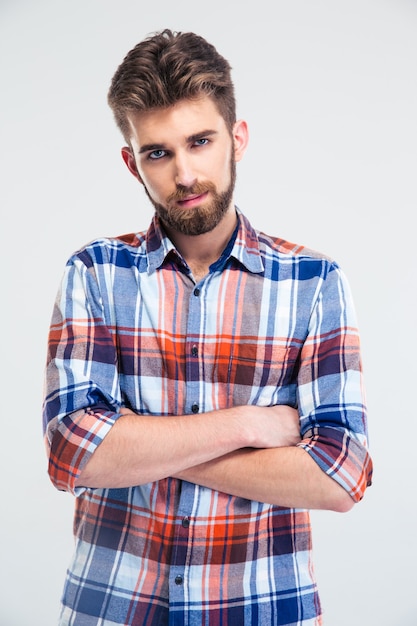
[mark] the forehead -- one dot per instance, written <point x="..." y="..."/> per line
<point x="184" y="119"/>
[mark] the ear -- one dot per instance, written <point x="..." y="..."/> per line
<point x="240" y="138"/>
<point x="129" y="159"/>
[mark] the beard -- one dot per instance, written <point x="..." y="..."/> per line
<point x="201" y="219"/>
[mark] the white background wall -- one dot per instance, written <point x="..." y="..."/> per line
<point x="329" y="90"/>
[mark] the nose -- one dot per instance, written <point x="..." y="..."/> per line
<point x="185" y="175"/>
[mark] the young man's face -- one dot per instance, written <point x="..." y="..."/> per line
<point x="185" y="158"/>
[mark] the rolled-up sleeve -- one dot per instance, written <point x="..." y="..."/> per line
<point x="331" y="395"/>
<point x="82" y="396"/>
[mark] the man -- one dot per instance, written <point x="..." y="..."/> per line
<point x="203" y="385"/>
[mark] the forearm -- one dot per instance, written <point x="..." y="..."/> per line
<point x="285" y="476"/>
<point x="141" y="449"/>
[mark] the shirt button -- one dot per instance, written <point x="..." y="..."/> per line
<point x="194" y="351"/>
<point x="178" y="580"/>
<point x="195" y="408"/>
<point x="196" y="291"/>
<point x="185" y="522"/>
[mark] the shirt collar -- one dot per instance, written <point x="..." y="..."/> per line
<point x="245" y="248"/>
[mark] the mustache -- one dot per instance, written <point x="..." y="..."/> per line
<point x="182" y="192"/>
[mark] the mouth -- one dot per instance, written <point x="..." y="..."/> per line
<point x="192" y="200"/>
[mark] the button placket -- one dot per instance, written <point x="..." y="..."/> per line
<point x="182" y="552"/>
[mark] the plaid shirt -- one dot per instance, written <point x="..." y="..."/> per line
<point x="272" y="323"/>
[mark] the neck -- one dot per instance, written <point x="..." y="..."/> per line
<point x="200" y="251"/>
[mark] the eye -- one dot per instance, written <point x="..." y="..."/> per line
<point x="201" y="142"/>
<point x="156" y="154"/>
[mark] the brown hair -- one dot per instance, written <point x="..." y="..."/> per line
<point x="165" y="68"/>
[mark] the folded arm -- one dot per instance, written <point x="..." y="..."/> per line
<point x="139" y="449"/>
<point x="209" y="450"/>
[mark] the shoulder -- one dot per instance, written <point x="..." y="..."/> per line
<point x="283" y="247"/>
<point x="282" y="259"/>
<point x="298" y="257"/>
<point x="119" y="250"/>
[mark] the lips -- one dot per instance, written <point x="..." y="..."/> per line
<point x="192" y="199"/>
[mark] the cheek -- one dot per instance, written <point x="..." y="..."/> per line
<point x="225" y="171"/>
<point x="157" y="187"/>
<point x="219" y="170"/>
<point x="150" y="182"/>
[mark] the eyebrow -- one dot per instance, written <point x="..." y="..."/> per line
<point x="150" y="147"/>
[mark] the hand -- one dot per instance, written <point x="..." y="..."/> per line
<point x="273" y="426"/>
